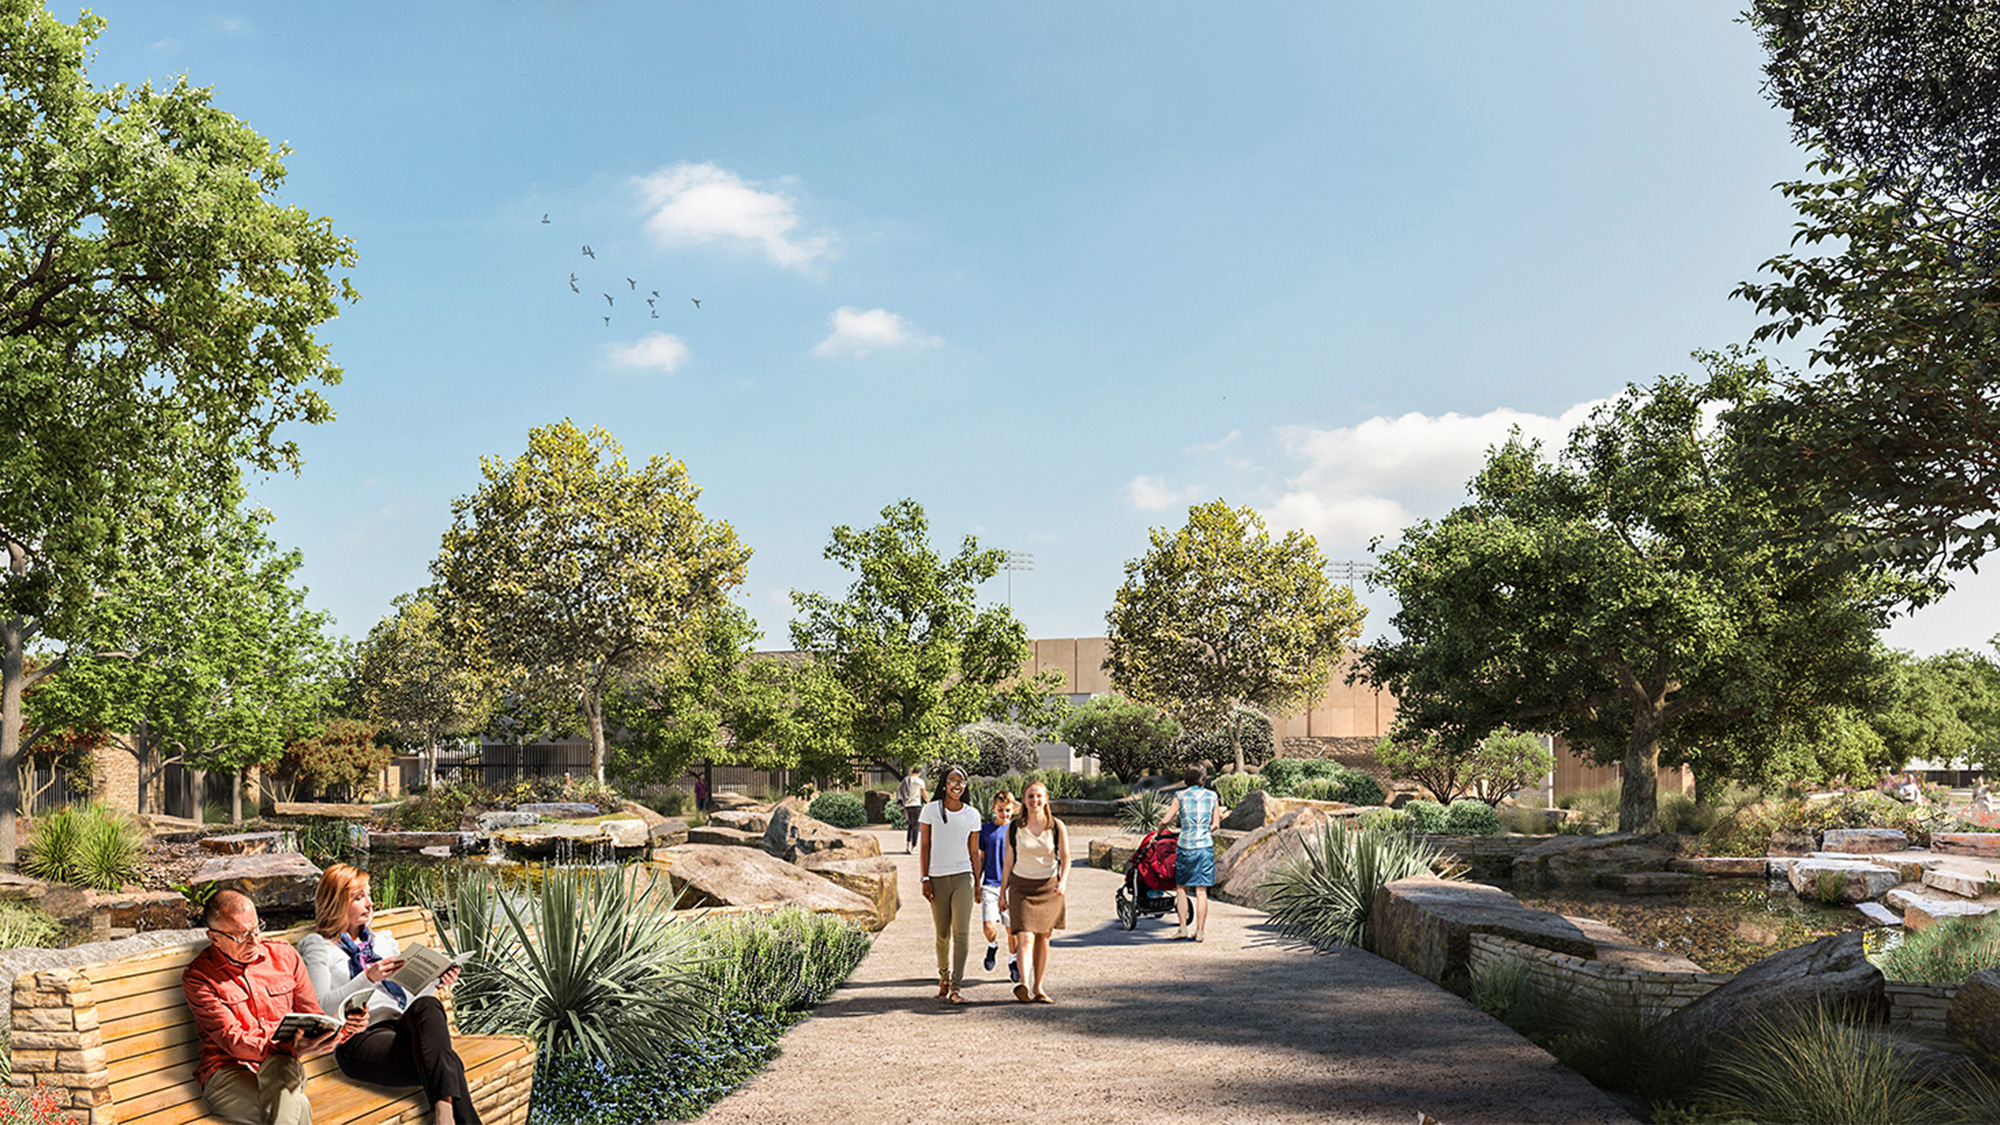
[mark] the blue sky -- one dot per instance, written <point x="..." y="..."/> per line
<point x="1054" y="270"/>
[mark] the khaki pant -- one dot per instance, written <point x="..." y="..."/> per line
<point x="952" y="897"/>
<point x="275" y="1095"/>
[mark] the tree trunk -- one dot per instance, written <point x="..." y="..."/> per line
<point x="13" y="643"/>
<point x="1236" y="739"/>
<point x="1639" y="797"/>
<point x="593" y="717"/>
<point x="236" y="796"/>
<point x="142" y="752"/>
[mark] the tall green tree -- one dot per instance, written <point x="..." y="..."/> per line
<point x="909" y="655"/>
<point x="1126" y="737"/>
<point x="1217" y="615"/>
<point x="1939" y="708"/>
<point x="1617" y="596"/>
<point x="157" y="316"/>
<point x="576" y="569"/>
<point x="216" y="672"/>
<point x="417" y="686"/>
<point x="1894" y="425"/>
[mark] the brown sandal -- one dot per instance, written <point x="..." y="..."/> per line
<point x="1043" y="998"/>
<point x="1021" y="993"/>
<point x="954" y="998"/>
<point x="944" y="987"/>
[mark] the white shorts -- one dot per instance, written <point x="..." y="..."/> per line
<point x="989" y="905"/>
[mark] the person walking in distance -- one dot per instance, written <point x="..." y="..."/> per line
<point x="1037" y="867"/>
<point x="1200" y="813"/>
<point x="948" y="859"/>
<point x="910" y="798"/>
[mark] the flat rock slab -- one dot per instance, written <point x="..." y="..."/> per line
<point x="669" y="831"/>
<point x="742" y="820"/>
<point x="1956" y="883"/>
<point x="1725" y="866"/>
<point x="138" y="910"/>
<point x="729" y="799"/>
<point x="1650" y="882"/>
<point x="1878" y="915"/>
<point x="1792" y="841"/>
<point x="20" y="888"/>
<point x="284" y="879"/>
<point x="1614" y="947"/>
<point x="1112" y="853"/>
<point x="1920" y="914"/>
<point x="491" y="822"/>
<point x="323" y="810"/>
<point x="553" y="838"/>
<point x="1841" y="880"/>
<point x="568" y="810"/>
<point x="732" y="837"/>
<point x="1984" y="844"/>
<point x="242" y="843"/>
<point x="1864" y="840"/>
<point x="415" y="841"/>
<point x="730" y="876"/>
<point x="1426" y="925"/>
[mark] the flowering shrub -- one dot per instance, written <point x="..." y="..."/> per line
<point x="37" y="1107"/>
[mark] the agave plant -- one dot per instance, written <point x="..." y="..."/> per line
<point x="1324" y="892"/>
<point x="1141" y="814"/>
<point x="585" y="966"/>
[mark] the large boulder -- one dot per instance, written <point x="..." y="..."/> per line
<point x="280" y="879"/>
<point x="876" y="801"/>
<point x="754" y="819"/>
<point x="1425" y="924"/>
<point x="1793" y="841"/>
<point x="1578" y="861"/>
<point x="713" y="875"/>
<point x="792" y="834"/>
<point x="1258" y="808"/>
<point x="1112" y="853"/>
<point x="1864" y="841"/>
<point x="558" y="839"/>
<point x="243" y="843"/>
<point x="1832" y="972"/>
<point x="1974" y="1016"/>
<point x="725" y="799"/>
<point x="1920" y="913"/>
<point x="728" y="837"/>
<point x="669" y="831"/>
<point x="874" y="879"/>
<point x="1842" y="880"/>
<point x="1241" y="871"/>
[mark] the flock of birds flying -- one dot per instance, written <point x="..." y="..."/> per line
<point x="610" y="302"/>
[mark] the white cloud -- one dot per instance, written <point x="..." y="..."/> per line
<point x="658" y="352"/>
<point x="697" y="203"/>
<point x="1224" y="442"/>
<point x="1154" y="494"/>
<point x="1384" y="474"/>
<point x="857" y="333"/>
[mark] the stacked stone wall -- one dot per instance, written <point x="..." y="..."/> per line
<point x="57" y="1044"/>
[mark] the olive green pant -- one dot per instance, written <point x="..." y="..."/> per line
<point x="952" y="900"/>
<point x="275" y="1095"/>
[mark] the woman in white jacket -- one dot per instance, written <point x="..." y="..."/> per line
<point x="407" y="1041"/>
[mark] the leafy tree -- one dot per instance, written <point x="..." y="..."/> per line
<point x="1247" y="733"/>
<point x="908" y="656"/>
<point x="1495" y="767"/>
<point x="339" y="754"/>
<point x="157" y="310"/>
<point x="575" y="569"/>
<point x="1216" y="616"/>
<point x="1940" y="708"/>
<point x="414" y="684"/>
<point x="215" y="672"/>
<point x="1614" y="596"/>
<point x="1127" y="738"/>
<point x="999" y="749"/>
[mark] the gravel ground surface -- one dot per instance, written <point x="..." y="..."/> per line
<point x="1245" y="1027"/>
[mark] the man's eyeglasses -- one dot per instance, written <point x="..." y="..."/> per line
<point x="244" y="938"/>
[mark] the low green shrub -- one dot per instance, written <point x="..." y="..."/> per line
<point x="24" y="927"/>
<point x="1280" y="775"/>
<point x="1324" y="893"/>
<point x="94" y="847"/>
<point x="1104" y="787"/>
<point x="441" y="808"/>
<point x="1317" y="789"/>
<point x="1597" y="810"/>
<point x="789" y="960"/>
<point x="842" y="810"/>
<point x="1062" y="784"/>
<point x="1427" y="817"/>
<point x="1945" y="953"/>
<point x="1231" y="788"/>
<point x="1467" y="817"/>
<point x="1680" y="814"/>
<point x="894" y="818"/>
<point x="1386" y="820"/>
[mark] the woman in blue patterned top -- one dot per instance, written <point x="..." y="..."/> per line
<point x="1200" y="813"/>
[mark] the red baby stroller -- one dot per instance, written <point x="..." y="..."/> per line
<point x="1149" y="878"/>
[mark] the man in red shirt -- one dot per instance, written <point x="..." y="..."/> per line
<point x="238" y="989"/>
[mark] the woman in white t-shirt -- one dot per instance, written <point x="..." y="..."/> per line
<point x="947" y="857"/>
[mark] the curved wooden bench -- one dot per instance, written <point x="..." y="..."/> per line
<point x="117" y="1035"/>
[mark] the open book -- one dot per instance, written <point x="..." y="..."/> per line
<point x="311" y="1024"/>
<point x="421" y="966"/>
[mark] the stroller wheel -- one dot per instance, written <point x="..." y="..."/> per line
<point x="1128" y="910"/>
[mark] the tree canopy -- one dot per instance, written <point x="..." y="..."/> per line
<point x="1616" y="596"/>
<point x="909" y="655"/>
<point x="1218" y="615"/>
<point x="414" y="684"/>
<point x="157" y="316"/>
<point x="1126" y="737"/>
<point x="571" y="568"/>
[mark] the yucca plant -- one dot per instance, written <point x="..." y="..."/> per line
<point x="1141" y="814"/>
<point x="1323" y="893"/>
<point x="95" y="847"/>
<point x="586" y="966"/>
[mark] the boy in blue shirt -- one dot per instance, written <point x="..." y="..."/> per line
<point x="993" y="843"/>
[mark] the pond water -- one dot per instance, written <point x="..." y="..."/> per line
<point x="1723" y="925"/>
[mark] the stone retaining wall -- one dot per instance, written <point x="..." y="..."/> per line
<point x="1911" y="1004"/>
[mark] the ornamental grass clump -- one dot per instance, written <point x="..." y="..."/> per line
<point x="95" y="847"/>
<point x="24" y="927"/>
<point x="1323" y="892"/>
<point x="789" y="960"/>
<point x="1946" y="952"/>
<point x="1810" y="1066"/>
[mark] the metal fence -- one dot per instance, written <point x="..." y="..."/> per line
<point x="500" y="763"/>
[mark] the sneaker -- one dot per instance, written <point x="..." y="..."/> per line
<point x="1014" y="971"/>
<point x="992" y="955"/>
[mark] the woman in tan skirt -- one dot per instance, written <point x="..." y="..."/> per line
<point x="1037" y="869"/>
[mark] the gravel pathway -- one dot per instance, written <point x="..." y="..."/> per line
<point x="1247" y="1026"/>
